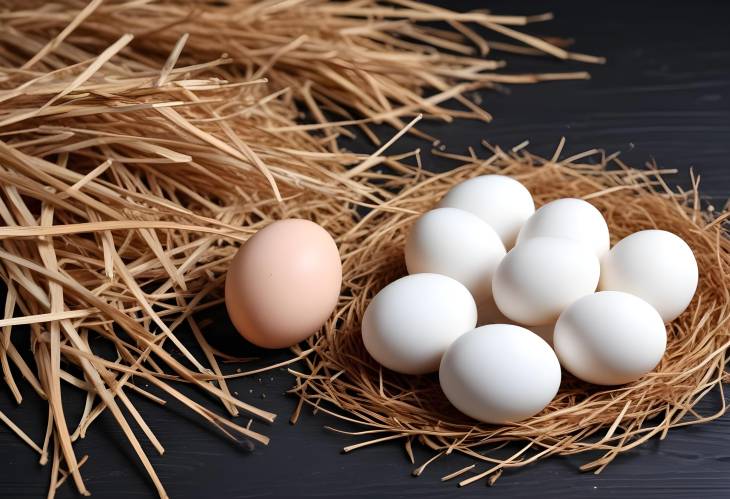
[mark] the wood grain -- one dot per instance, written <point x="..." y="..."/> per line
<point x="664" y="94"/>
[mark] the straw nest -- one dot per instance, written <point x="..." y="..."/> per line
<point x="343" y="380"/>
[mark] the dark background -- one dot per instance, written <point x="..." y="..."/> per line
<point x="664" y="94"/>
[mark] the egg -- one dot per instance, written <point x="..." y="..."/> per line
<point x="283" y="283"/>
<point x="569" y="218"/>
<point x="610" y="338"/>
<point x="457" y="244"/>
<point x="540" y="277"/>
<point x="654" y="265"/>
<point x="501" y="201"/>
<point x="499" y="373"/>
<point x="411" y="322"/>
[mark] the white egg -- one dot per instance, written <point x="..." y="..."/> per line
<point x="569" y="218"/>
<point x="501" y="201"/>
<point x="610" y="338"/>
<point x="540" y="277"/>
<point x="500" y="373"/>
<point x="411" y="322"/>
<point x="457" y="244"/>
<point x="654" y="265"/>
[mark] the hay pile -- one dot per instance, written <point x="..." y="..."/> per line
<point x="142" y="141"/>
<point x="343" y="380"/>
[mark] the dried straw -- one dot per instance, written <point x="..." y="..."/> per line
<point x="341" y="379"/>
<point x="141" y="141"/>
<point x="359" y="61"/>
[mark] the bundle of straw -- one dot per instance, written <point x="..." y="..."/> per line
<point x="342" y="379"/>
<point x="361" y="61"/>
<point x="141" y="141"/>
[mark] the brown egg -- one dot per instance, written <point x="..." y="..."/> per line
<point x="283" y="283"/>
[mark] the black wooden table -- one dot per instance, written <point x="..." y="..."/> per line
<point x="664" y="94"/>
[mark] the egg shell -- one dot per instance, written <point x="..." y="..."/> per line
<point x="501" y="201"/>
<point x="283" y="283"/>
<point x="411" y="322"/>
<point x="610" y="338"/>
<point x="457" y="244"/>
<point x="500" y="373"/>
<point x="540" y="277"/>
<point x="655" y="265"/>
<point x="569" y="218"/>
